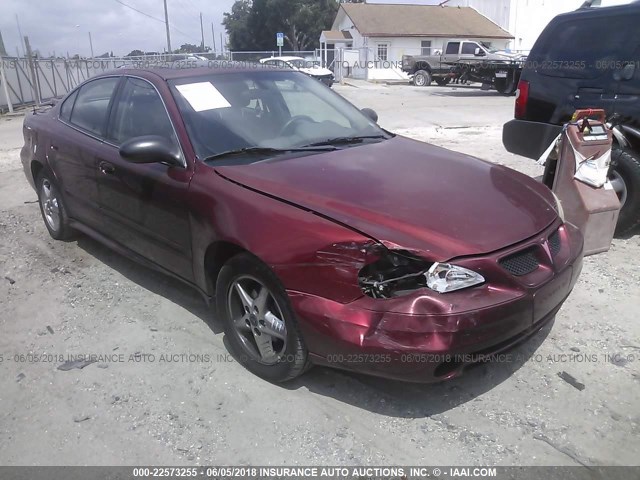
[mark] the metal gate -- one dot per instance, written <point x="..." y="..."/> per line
<point x="35" y="81"/>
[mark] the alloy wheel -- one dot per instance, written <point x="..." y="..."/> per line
<point x="50" y="206"/>
<point x="258" y="319"/>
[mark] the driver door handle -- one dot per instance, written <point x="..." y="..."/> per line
<point x="628" y="71"/>
<point x="106" y="168"/>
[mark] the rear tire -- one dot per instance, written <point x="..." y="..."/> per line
<point x="505" y="86"/>
<point x="259" y="322"/>
<point x="422" y="78"/>
<point x="52" y="207"/>
<point x="625" y="177"/>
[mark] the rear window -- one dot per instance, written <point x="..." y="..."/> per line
<point x="583" y="48"/>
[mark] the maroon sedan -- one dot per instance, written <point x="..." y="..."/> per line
<point x="319" y="237"/>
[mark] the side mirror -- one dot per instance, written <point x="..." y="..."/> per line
<point x="150" y="149"/>
<point x="370" y="113"/>
<point x="479" y="52"/>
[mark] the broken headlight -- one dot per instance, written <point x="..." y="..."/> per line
<point x="445" y="277"/>
<point x="398" y="273"/>
<point x="393" y="274"/>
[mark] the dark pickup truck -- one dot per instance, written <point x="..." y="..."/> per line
<point x="470" y="60"/>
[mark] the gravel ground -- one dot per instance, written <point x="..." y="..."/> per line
<point x="167" y="392"/>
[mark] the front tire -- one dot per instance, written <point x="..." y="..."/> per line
<point x="625" y="179"/>
<point x="422" y="78"/>
<point x="259" y="321"/>
<point x="52" y="207"/>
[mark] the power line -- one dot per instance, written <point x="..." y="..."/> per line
<point x="140" y="11"/>
<point x="186" y="35"/>
<point x="187" y="9"/>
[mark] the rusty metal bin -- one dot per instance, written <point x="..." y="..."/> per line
<point x="580" y="179"/>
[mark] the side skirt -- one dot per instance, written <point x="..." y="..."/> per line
<point x="124" y="251"/>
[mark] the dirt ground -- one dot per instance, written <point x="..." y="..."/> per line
<point x="167" y="392"/>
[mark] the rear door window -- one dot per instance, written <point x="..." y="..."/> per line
<point x="92" y="105"/>
<point x="453" y="48"/>
<point x="67" y="106"/>
<point x="583" y="48"/>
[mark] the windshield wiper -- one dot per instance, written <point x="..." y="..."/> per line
<point x="267" y="151"/>
<point x="345" y="140"/>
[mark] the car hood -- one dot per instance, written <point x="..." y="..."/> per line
<point x="409" y="195"/>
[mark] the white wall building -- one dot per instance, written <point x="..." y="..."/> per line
<point x="524" y="19"/>
<point x="384" y="33"/>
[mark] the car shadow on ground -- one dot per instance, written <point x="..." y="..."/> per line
<point x="378" y="395"/>
<point x="463" y="92"/>
<point x="631" y="233"/>
<point x="164" y="285"/>
<point x="410" y="400"/>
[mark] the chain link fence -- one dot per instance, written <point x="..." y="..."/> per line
<point x="256" y="56"/>
<point x="32" y="81"/>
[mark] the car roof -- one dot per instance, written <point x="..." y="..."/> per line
<point x="201" y="69"/>
<point x="633" y="7"/>
<point x="284" y="59"/>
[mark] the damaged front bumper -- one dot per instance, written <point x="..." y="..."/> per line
<point x="425" y="336"/>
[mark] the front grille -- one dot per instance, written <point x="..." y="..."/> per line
<point x="554" y="243"/>
<point x="521" y="263"/>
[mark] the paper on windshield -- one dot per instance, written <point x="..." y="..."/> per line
<point x="203" y="96"/>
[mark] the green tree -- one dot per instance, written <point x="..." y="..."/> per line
<point x="188" y="48"/>
<point x="237" y="25"/>
<point x="252" y="25"/>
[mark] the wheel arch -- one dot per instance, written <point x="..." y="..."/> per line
<point x="422" y="66"/>
<point x="216" y="255"/>
<point x="36" y="167"/>
<point x="631" y="136"/>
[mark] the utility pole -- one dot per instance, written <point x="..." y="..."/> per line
<point x="166" y="21"/>
<point x="91" y="44"/>
<point x="20" y="33"/>
<point x="221" y="44"/>
<point x="3" y="77"/>
<point x="34" y="78"/>
<point x="213" y="37"/>
<point x="4" y="52"/>
<point x="201" y="34"/>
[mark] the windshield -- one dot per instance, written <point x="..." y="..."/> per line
<point x="266" y="109"/>
<point x="489" y="48"/>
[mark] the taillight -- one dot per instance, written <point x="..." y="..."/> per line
<point x="522" y="98"/>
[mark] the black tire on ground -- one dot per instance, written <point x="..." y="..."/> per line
<point x="293" y="356"/>
<point x="52" y="207"/>
<point x="422" y="78"/>
<point x="625" y="166"/>
<point x="443" y="81"/>
<point x="505" y="86"/>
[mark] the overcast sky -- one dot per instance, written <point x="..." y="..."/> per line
<point x="62" y="26"/>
